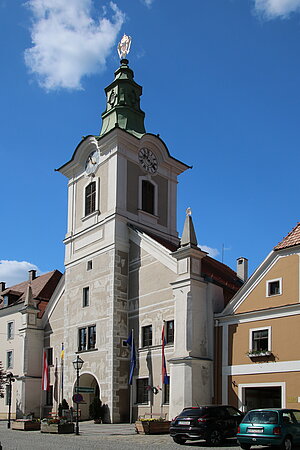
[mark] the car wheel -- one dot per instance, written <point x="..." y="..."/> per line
<point x="287" y="444"/>
<point x="245" y="446"/>
<point x="214" y="438"/>
<point x="179" y="440"/>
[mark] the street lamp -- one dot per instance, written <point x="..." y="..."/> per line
<point x="10" y="379"/>
<point x="77" y="363"/>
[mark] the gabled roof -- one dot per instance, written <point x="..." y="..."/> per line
<point x="212" y="270"/>
<point x="42" y="287"/>
<point x="293" y="238"/>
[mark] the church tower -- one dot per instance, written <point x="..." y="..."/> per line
<point x="124" y="179"/>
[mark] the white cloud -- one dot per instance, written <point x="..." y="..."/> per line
<point x="68" y="43"/>
<point x="213" y="252"/>
<point x="148" y="2"/>
<point x="14" y="272"/>
<point x="277" y="8"/>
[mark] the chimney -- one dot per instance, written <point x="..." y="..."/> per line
<point x="32" y="275"/>
<point x="242" y="268"/>
<point x="2" y="286"/>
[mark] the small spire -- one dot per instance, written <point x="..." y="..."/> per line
<point x="188" y="235"/>
<point x="28" y="296"/>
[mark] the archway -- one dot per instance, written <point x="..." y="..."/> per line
<point x="89" y="389"/>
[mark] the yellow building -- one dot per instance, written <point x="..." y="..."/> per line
<point x="257" y="334"/>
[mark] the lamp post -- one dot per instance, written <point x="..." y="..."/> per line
<point x="10" y="379"/>
<point x="77" y="363"/>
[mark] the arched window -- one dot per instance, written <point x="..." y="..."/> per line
<point x="148" y="194"/>
<point x="90" y="198"/>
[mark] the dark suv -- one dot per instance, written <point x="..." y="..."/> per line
<point x="212" y="423"/>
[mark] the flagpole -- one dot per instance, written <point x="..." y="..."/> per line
<point x="131" y="391"/>
<point x="62" y="355"/>
<point x="162" y="368"/>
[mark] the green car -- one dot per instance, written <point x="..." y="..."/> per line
<point x="271" y="426"/>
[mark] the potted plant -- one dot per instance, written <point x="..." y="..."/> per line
<point x="96" y="410"/>
<point x="152" y="426"/>
<point x="57" y="426"/>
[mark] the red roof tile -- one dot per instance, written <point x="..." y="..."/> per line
<point x="42" y="287"/>
<point x="293" y="238"/>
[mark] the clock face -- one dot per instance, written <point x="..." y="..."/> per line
<point x="112" y="97"/>
<point x="148" y="160"/>
<point x="92" y="162"/>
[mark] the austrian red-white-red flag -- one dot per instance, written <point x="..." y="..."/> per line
<point x="45" y="374"/>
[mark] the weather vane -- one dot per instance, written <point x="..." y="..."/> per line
<point x="188" y="211"/>
<point x="124" y="46"/>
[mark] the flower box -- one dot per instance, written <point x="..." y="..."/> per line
<point x="25" y="425"/>
<point x="58" y="428"/>
<point x="256" y="354"/>
<point x="152" y="426"/>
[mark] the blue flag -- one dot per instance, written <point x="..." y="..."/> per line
<point x="130" y="342"/>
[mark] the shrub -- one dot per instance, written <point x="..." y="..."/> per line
<point x="96" y="409"/>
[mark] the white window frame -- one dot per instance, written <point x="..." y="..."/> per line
<point x="268" y="282"/>
<point x="269" y="328"/>
<point x="242" y="388"/>
<point x="97" y="201"/>
<point x="140" y="201"/>
<point x="12" y="359"/>
<point x="9" y="338"/>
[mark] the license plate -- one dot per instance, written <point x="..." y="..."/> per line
<point x="183" y="422"/>
<point x="255" y="430"/>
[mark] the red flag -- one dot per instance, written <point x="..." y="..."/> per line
<point x="45" y="374"/>
<point x="164" y="375"/>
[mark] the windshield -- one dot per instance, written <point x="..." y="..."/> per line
<point x="199" y="412"/>
<point x="261" y="417"/>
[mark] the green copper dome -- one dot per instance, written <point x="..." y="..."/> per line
<point x="123" y="103"/>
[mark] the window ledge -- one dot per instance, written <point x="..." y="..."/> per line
<point x="255" y="354"/>
<point x="87" y="351"/>
<point x="147" y="217"/>
<point x="93" y="214"/>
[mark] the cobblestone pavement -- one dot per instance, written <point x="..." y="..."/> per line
<point x="110" y="437"/>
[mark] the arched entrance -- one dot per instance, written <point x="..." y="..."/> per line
<point x="89" y="389"/>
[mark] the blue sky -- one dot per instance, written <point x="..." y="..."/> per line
<point x="220" y="84"/>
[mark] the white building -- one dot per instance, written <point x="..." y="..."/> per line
<point x="125" y="268"/>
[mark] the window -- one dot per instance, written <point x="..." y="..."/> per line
<point x="90" y="198"/>
<point x="49" y="396"/>
<point x="274" y="287"/>
<point x="147" y="336"/>
<point x="89" y="265"/>
<point x="92" y="337"/>
<point x="166" y="389"/>
<point x="50" y="356"/>
<point x="142" y="390"/>
<point x="86" y="297"/>
<point x="148" y="191"/>
<point x="9" y="359"/>
<point x="170" y="332"/>
<point x="10" y="330"/>
<point x="87" y="338"/>
<point x="260" y="340"/>
<point x="5" y="300"/>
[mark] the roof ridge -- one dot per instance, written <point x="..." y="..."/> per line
<point x="291" y="239"/>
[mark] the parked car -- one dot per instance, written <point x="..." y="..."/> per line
<point x="272" y="426"/>
<point x="212" y="423"/>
